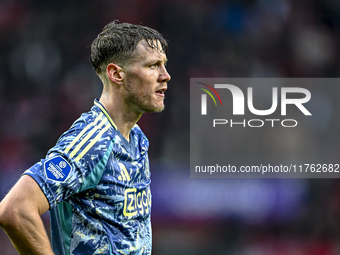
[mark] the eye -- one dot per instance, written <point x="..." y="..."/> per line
<point x="154" y="65"/>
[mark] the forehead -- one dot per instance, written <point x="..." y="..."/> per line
<point x="144" y="51"/>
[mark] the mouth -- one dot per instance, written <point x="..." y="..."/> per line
<point x="160" y="92"/>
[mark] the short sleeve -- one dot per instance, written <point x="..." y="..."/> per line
<point x="57" y="176"/>
<point x="72" y="160"/>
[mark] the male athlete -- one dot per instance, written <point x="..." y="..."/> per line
<point x="96" y="179"/>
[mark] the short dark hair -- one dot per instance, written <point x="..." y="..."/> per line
<point x="117" y="43"/>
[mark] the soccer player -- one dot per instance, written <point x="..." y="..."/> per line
<point x="95" y="180"/>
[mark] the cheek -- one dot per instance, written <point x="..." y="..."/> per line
<point x="143" y="80"/>
<point x="147" y="81"/>
<point x="150" y="73"/>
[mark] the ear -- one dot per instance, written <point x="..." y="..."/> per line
<point x="114" y="73"/>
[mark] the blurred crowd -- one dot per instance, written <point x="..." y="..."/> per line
<point x="46" y="82"/>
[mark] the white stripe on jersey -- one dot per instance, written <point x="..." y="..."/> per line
<point x="82" y="132"/>
<point x="88" y="147"/>
<point x="87" y="137"/>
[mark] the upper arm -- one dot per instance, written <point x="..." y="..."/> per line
<point x="26" y="195"/>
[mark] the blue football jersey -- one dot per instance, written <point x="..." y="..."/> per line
<point x="98" y="187"/>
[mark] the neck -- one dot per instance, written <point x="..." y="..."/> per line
<point x="124" y="118"/>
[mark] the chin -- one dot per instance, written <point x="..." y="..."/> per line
<point x="154" y="109"/>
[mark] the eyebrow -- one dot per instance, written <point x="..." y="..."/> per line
<point x="158" y="60"/>
<point x="163" y="61"/>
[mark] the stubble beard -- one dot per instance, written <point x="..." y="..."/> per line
<point x="141" y="103"/>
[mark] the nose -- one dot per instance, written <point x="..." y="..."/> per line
<point x="164" y="75"/>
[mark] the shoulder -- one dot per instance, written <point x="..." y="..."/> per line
<point x="91" y="132"/>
